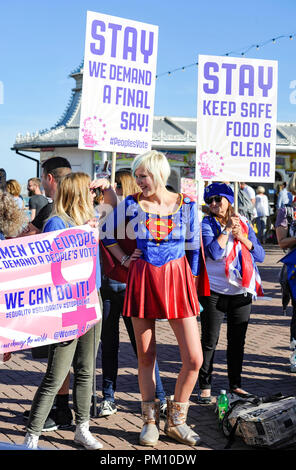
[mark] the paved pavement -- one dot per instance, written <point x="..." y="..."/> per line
<point x="265" y="371"/>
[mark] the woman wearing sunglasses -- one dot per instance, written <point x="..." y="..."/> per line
<point x="231" y="250"/>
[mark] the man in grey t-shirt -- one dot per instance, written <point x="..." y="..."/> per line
<point x="37" y="200"/>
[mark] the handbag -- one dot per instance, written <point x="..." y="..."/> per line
<point x="111" y="266"/>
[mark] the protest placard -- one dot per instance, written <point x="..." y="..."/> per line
<point x="236" y="119"/>
<point x="117" y="103"/>
<point x="189" y="187"/>
<point x="48" y="289"/>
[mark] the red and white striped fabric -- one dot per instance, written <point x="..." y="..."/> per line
<point x="240" y="268"/>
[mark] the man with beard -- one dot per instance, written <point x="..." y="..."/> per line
<point x="37" y="200"/>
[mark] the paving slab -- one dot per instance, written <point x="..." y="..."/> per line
<point x="266" y="370"/>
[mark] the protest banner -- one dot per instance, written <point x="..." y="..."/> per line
<point x="236" y="119"/>
<point x="189" y="187"/>
<point x="48" y="288"/>
<point x="117" y="103"/>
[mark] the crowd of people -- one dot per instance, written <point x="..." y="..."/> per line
<point x="156" y="261"/>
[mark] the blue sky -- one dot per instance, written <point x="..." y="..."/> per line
<point x="41" y="42"/>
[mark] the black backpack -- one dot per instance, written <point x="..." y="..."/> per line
<point x="266" y="422"/>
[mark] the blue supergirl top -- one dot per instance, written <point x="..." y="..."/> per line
<point x="160" y="238"/>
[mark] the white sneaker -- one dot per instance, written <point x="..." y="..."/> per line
<point x="85" y="438"/>
<point x="31" y="441"/>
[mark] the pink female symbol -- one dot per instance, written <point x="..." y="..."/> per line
<point x="82" y="314"/>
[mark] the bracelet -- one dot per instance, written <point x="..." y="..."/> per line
<point x="124" y="259"/>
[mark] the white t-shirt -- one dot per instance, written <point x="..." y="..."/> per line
<point x="252" y="195"/>
<point x="249" y="192"/>
<point x="262" y="206"/>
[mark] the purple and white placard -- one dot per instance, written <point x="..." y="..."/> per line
<point x="236" y="119"/>
<point x="117" y="104"/>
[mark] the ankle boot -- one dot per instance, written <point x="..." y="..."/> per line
<point x="85" y="438"/>
<point x="150" y="415"/>
<point x="176" y="427"/>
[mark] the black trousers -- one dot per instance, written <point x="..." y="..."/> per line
<point x="237" y="309"/>
<point x="293" y="321"/>
<point x="113" y="294"/>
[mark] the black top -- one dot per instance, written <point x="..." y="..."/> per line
<point x="43" y="214"/>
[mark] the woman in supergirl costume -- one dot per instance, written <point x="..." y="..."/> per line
<point x="162" y="282"/>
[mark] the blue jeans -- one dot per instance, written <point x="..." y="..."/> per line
<point x="261" y="223"/>
<point x="113" y="294"/>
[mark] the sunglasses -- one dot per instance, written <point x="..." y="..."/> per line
<point x="210" y="200"/>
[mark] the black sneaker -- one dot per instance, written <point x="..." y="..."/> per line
<point x="50" y="423"/>
<point x="63" y="417"/>
<point x="26" y="415"/>
<point x="107" y="408"/>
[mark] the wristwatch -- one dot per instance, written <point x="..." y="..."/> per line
<point x="225" y="232"/>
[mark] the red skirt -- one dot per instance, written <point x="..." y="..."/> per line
<point x="168" y="291"/>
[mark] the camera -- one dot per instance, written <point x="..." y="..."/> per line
<point x="99" y="195"/>
<point x="98" y="192"/>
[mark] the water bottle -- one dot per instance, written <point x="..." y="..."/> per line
<point x="293" y="361"/>
<point x="222" y="404"/>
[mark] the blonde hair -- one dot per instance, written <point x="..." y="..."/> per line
<point x="12" y="218"/>
<point x="156" y="164"/>
<point x="260" y="189"/>
<point x="13" y="187"/>
<point x="73" y="202"/>
<point x="127" y="181"/>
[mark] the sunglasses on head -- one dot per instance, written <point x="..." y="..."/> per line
<point x="214" y="198"/>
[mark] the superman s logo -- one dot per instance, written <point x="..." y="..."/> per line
<point x="160" y="228"/>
